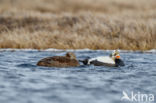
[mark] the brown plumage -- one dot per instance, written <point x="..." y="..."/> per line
<point x="69" y="60"/>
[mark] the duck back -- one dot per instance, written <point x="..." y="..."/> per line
<point x="58" y="61"/>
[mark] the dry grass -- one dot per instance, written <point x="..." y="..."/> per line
<point x="77" y="24"/>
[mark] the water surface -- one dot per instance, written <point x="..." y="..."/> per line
<point x="21" y="81"/>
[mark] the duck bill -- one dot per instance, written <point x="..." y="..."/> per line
<point x="117" y="57"/>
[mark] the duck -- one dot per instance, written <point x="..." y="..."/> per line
<point x="113" y="60"/>
<point x="69" y="60"/>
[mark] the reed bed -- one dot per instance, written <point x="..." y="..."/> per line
<point x="78" y="24"/>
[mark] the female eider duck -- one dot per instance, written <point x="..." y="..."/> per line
<point x="69" y="60"/>
<point x="113" y="60"/>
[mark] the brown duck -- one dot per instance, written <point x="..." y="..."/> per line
<point x="69" y="60"/>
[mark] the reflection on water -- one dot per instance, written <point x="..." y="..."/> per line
<point x="24" y="82"/>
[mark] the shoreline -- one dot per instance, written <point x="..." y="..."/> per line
<point x="72" y="24"/>
<point x="73" y="50"/>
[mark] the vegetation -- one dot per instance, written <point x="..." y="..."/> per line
<point x="78" y="24"/>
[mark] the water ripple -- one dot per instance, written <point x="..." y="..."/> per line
<point x="24" y="82"/>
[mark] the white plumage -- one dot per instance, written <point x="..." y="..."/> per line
<point x="103" y="59"/>
<point x="113" y="60"/>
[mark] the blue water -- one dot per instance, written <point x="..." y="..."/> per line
<point x="21" y="81"/>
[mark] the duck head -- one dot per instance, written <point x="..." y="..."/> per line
<point x="116" y="57"/>
<point x="70" y="55"/>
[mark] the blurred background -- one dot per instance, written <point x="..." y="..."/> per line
<point x="78" y="24"/>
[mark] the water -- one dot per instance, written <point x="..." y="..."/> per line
<point x="21" y="81"/>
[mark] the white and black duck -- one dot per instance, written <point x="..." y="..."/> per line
<point x="113" y="60"/>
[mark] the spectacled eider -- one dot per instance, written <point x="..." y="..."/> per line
<point x="69" y="60"/>
<point x="113" y="60"/>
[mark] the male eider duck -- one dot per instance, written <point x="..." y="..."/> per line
<point x="113" y="60"/>
<point x="69" y="60"/>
